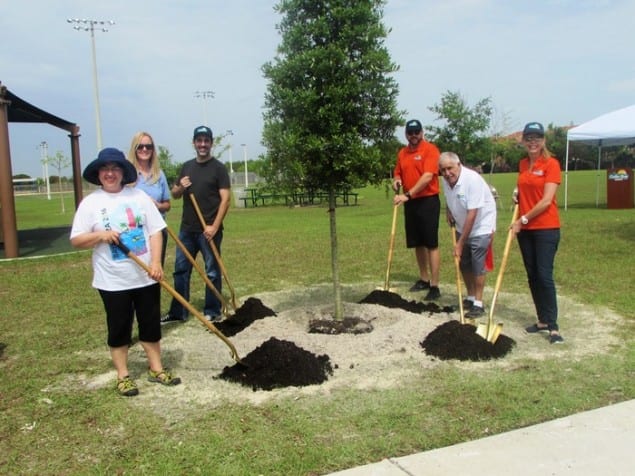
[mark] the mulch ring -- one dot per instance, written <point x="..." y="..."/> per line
<point x="453" y="340"/>
<point x="390" y="299"/>
<point x="279" y="363"/>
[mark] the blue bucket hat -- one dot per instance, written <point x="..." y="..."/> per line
<point x="110" y="155"/>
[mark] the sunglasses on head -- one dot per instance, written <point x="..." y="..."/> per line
<point x="145" y="146"/>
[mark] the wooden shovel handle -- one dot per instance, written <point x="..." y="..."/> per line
<point x="499" y="278"/>
<point x="212" y="245"/>
<point x="200" y="270"/>
<point x="458" y="277"/>
<point x="184" y="302"/>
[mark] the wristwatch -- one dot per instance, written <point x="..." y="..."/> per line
<point x="524" y="220"/>
<point x="407" y="194"/>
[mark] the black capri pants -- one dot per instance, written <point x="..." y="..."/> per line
<point x="121" y="307"/>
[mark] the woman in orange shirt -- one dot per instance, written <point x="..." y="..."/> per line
<point x="538" y="228"/>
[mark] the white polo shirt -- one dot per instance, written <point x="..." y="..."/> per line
<point x="471" y="192"/>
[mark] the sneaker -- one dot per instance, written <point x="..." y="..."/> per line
<point x="420" y="285"/>
<point x="163" y="377"/>
<point x="127" y="387"/>
<point x="170" y="318"/>
<point x="467" y="304"/>
<point x="556" y="339"/>
<point x="535" y="328"/>
<point x="433" y="294"/>
<point x="475" y="312"/>
<point x="213" y="318"/>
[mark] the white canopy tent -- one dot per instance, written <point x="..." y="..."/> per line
<point x="613" y="128"/>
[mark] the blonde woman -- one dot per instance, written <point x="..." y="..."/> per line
<point x="150" y="177"/>
<point x="538" y="228"/>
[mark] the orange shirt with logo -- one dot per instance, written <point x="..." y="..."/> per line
<point x="412" y="164"/>
<point x="531" y="186"/>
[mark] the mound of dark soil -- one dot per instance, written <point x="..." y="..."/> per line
<point x="348" y="325"/>
<point x="252" y="310"/>
<point x="279" y="363"/>
<point x="390" y="299"/>
<point x="453" y="340"/>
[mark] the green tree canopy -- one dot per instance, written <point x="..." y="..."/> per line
<point x="331" y="99"/>
<point x="464" y="128"/>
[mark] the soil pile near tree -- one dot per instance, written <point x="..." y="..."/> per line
<point x="279" y="363"/>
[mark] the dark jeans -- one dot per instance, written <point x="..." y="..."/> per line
<point x="195" y="242"/>
<point x="538" y="249"/>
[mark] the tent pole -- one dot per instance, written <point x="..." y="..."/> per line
<point x="597" y="177"/>
<point x="566" y="175"/>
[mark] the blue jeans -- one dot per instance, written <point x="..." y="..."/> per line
<point x="538" y="249"/>
<point x="195" y="242"/>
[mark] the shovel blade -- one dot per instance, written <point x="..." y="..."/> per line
<point x="494" y="332"/>
<point x="481" y="330"/>
<point x="491" y="334"/>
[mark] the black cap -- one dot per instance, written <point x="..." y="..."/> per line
<point x="413" y="125"/>
<point x="534" y="128"/>
<point x="203" y="131"/>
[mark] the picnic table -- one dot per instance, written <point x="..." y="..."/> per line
<point x="255" y="197"/>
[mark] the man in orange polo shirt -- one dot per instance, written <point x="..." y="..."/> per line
<point x="417" y="171"/>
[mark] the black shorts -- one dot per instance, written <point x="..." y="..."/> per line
<point x="422" y="221"/>
<point x="121" y="307"/>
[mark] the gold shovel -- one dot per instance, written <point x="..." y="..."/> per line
<point x="490" y="332"/>
<point x="391" y="246"/>
<point x="459" y="286"/>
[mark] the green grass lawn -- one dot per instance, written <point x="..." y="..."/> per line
<point x="52" y="322"/>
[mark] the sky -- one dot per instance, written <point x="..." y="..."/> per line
<point x="558" y="62"/>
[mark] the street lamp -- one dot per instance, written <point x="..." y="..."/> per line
<point x="244" y="146"/>
<point x="204" y="95"/>
<point x="90" y="25"/>
<point x="45" y="167"/>
<point x="231" y="167"/>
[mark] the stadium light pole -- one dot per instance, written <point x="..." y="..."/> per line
<point x="45" y="167"/>
<point x="231" y="166"/>
<point x="90" y="25"/>
<point x="204" y="95"/>
<point x="244" y="146"/>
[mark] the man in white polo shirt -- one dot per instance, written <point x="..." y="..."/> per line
<point x="472" y="208"/>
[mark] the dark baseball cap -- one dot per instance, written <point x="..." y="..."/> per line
<point x="534" y="128"/>
<point x="413" y="125"/>
<point x="203" y="131"/>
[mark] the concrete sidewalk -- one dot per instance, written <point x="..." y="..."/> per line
<point x="596" y="442"/>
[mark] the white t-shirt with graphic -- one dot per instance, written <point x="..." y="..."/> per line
<point x="133" y="214"/>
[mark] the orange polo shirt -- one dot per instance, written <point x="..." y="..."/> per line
<point x="531" y="185"/>
<point x="412" y="164"/>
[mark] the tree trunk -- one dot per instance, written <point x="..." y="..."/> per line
<point x="339" y="312"/>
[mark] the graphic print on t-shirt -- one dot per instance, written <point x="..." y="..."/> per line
<point x="128" y="220"/>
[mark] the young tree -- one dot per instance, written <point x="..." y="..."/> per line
<point x="59" y="162"/>
<point x="330" y="102"/>
<point x="169" y="167"/>
<point x="464" y="129"/>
